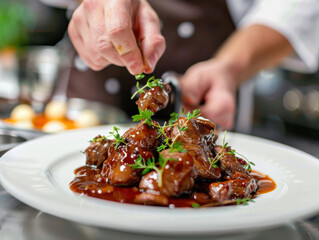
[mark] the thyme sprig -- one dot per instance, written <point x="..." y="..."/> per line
<point x="219" y="155"/>
<point x="145" y="115"/>
<point x="139" y="76"/>
<point x="244" y="201"/>
<point x="117" y="137"/>
<point x="150" y="164"/>
<point x="151" y="82"/>
<point x="98" y="139"/>
<point x="213" y="162"/>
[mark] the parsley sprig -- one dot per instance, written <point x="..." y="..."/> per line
<point x="151" y="82"/>
<point x="150" y="164"/>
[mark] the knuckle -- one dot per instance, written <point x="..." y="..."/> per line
<point x="76" y="17"/>
<point x="99" y="29"/>
<point x="118" y="32"/>
<point x="159" y="42"/>
<point x="103" y="45"/>
<point x="89" y="5"/>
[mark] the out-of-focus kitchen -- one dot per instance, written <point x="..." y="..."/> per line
<point x="40" y="78"/>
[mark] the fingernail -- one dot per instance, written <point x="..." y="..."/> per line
<point x="134" y="68"/>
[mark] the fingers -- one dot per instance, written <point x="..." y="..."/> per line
<point x="220" y="107"/>
<point x="119" y="29"/>
<point x="194" y="85"/>
<point x="78" y="29"/>
<point x="98" y="39"/>
<point x="152" y="43"/>
<point x="121" y="32"/>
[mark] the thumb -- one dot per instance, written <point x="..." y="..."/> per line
<point x="193" y="88"/>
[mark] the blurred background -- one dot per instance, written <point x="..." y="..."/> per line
<point x="37" y="62"/>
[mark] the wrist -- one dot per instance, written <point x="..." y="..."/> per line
<point x="235" y="67"/>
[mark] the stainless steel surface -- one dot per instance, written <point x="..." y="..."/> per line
<point x="18" y="221"/>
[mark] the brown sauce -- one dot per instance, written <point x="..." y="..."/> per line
<point x="88" y="181"/>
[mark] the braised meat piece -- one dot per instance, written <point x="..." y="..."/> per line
<point x="240" y="187"/>
<point x="97" y="151"/>
<point x="117" y="169"/>
<point x="177" y="176"/>
<point x="228" y="163"/>
<point x="154" y="99"/>
<point x="152" y="199"/>
<point x="194" y="140"/>
<point x="140" y="140"/>
<point x="142" y="135"/>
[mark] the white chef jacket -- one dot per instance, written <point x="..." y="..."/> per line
<point x="297" y="20"/>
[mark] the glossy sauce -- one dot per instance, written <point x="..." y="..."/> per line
<point x="88" y="181"/>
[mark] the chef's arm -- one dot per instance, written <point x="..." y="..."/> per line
<point x="252" y="49"/>
<point x="211" y="85"/>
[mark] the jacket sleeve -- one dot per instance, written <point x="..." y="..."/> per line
<point x="298" y="21"/>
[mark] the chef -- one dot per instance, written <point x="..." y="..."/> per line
<point x="216" y="45"/>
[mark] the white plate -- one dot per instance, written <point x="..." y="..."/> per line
<point x="38" y="173"/>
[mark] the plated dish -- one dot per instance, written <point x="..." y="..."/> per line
<point x="177" y="164"/>
<point x="39" y="175"/>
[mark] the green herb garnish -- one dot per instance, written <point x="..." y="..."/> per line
<point x="244" y="201"/>
<point x="98" y="139"/>
<point x="151" y="82"/>
<point x="214" y="162"/>
<point x="150" y="164"/>
<point x="177" y="147"/>
<point x="117" y="137"/>
<point x="139" y="76"/>
<point x="173" y="117"/>
<point x="233" y="152"/>
<point x="145" y="115"/>
<point x="195" y="205"/>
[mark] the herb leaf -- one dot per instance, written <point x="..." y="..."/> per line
<point x="145" y="115"/>
<point x="151" y="82"/>
<point x="177" y="147"/>
<point x="194" y="114"/>
<point x="244" y="201"/>
<point x="195" y="205"/>
<point x="98" y="139"/>
<point x="173" y="117"/>
<point x="214" y="162"/>
<point x="117" y="137"/>
<point x="150" y="164"/>
<point x="139" y="76"/>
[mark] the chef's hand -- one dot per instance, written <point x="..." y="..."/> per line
<point x="121" y="32"/>
<point x="210" y="87"/>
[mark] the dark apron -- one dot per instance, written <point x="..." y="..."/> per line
<point x="193" y="30"/>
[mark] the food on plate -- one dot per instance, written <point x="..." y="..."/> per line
<point x="87" y="118"/>
<point x="177" y="164"/>
<point x="22" y="112"/>
<point x="53" y="119"/>
<point x="53" y="126"/>
<point x="55" y="110"/>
